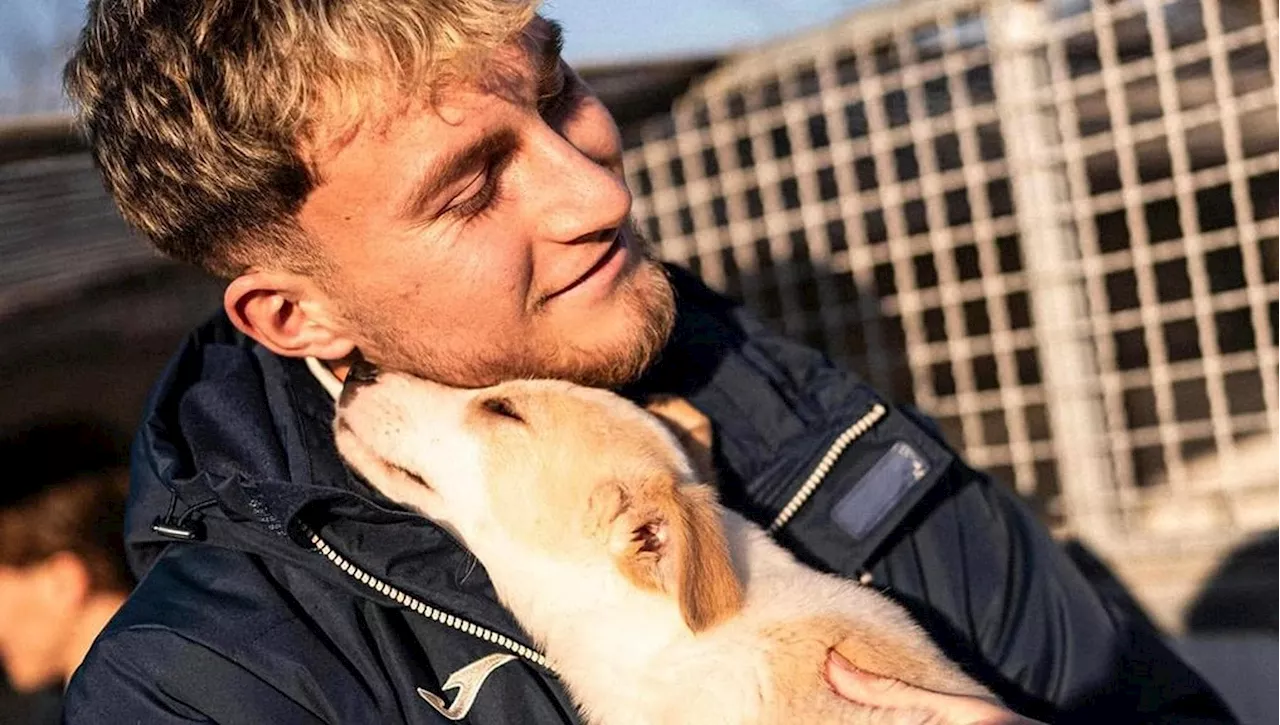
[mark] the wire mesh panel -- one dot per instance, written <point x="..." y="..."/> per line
<point x="1015" y="216"/>
<point x="855" y="190"/>
<point x="1167" y="115"/>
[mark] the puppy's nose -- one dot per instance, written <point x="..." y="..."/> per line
<point x="361" y="373"/>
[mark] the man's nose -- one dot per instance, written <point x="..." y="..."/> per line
<point x="582" y="197"/>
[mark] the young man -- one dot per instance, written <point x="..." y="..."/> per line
<point x="62" y="566"/>
<point x="427" y="184"/>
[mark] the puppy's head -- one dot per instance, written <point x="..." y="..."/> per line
<point x="577" y="474"/>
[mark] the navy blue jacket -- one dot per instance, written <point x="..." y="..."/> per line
<point x="276" y="587"/>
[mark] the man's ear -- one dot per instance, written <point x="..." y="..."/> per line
<point x="673" y="542"/>
<point x="287" y="313"/>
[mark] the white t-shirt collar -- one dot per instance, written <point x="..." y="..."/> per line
<point x="321" y="372"/>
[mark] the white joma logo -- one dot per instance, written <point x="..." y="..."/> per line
<point x="467" y="682"/>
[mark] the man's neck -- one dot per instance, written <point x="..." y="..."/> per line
<point x="339" y="368"/>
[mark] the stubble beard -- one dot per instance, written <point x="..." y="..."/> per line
<point x="649" y="305"/>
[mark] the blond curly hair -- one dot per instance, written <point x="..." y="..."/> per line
<point x="198" y="112"/>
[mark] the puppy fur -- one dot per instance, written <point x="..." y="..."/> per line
<point x="603" y="537"/>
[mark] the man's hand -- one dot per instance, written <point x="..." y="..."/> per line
<point x="854" y="684"/>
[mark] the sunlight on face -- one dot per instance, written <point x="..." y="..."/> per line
<point x="485" y="235"/>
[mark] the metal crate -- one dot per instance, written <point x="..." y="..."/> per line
<point x="1052" y="226"/>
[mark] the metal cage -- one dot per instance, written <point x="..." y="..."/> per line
<point x="1050" y="225"/>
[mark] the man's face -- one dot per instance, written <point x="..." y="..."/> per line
<point x="34" y="626"/>
<point x="483" y="234"/>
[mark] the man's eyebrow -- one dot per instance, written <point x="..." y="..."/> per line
<point x="452" y="166"/>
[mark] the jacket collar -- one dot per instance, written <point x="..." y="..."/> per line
<point x="242" y="437"/>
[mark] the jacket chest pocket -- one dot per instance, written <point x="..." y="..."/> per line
<point x="838" y="495"/>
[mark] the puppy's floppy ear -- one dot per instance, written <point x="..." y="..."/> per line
<point x="669" y="539"/>
<point x="709" y="587"/>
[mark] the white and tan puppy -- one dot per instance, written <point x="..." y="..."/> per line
<point x="652" y="603"/>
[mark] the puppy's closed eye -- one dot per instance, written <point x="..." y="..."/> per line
<point x="501" y="407"/>
<point x="409" y="475"/>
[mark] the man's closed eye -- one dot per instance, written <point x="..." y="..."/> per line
<point x="478" y="196"/>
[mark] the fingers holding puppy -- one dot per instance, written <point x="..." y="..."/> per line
<point x="857" y="685"/>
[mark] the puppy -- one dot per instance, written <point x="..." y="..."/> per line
<point x="652" y="603"/>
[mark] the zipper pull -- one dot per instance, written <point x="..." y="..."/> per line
<point x="172" y="531"/>
<point x="185" y="528"/>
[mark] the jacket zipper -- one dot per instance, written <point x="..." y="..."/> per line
<point x="411" y="602"/>
<point x="826" y="463"/>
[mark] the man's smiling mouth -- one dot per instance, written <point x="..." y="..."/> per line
<point x="618" y="246"/>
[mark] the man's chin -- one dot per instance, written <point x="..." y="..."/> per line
<point x="615" y="349"/>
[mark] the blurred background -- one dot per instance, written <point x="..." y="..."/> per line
<point x="1051" y="225"/>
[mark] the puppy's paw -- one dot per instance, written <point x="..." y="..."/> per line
<point x="691" y="428"/>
